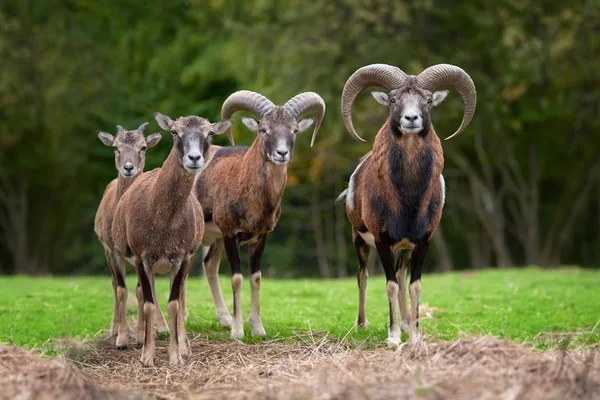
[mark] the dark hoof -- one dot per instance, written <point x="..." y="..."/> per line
<point x="123" y="347"/>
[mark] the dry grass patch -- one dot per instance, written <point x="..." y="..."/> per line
<point x="25" y="375"/>
<point x="479" y="367"/>
<point x="317" y="367"/>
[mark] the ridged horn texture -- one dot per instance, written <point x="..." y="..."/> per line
<point x="143" y="127"/>
<point x="119" y="128"/>
<point x="446" y="75"/>
<point x="386" y="76"/>
<point x="245" y="100"/>
<point x="305" y="102"/>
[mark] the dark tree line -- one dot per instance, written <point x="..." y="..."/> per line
<point x="523" y="180"/>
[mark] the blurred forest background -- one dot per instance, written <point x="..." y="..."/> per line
<point x="523" y="180"/>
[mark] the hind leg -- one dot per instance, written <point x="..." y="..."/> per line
<point x="161" y="322"/>
<point x="401" y="271"/>
<point x="255" y="255"/>
<point x="121" y="291"/>
<point x="362" y="251"/>
<point x="114" y="325"/>
<point x="211" y="270"/>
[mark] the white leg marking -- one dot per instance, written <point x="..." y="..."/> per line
<point x="254" y="320"/>
<point x="237" y="325"/>
<point x="394" y="330"/>
<point x="415" y="294"/>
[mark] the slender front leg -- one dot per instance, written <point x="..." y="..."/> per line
<point x="146" y="278"/>
<point x="403" y="262"/>
<point x="121" y="291"/>
<point x="362" y="251"/>
<point x="211" y="270"/>
<point x="233" y="254"/>
<point x="255" y="252"/>
<point x="418" y="257"/>
<point x="178" y="343"/>
<point x="387" y="259"/>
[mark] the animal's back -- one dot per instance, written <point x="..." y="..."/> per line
<point x="218" y="177"/>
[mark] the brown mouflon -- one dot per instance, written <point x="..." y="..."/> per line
<point x="395" y="196"/>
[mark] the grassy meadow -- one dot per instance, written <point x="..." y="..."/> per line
<point x="543" y="308"/>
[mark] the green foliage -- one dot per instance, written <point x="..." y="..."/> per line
<point x="529" y="305"/>
<point x="523" y="179"/>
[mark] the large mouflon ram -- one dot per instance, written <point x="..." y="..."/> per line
<point x="241" y="189"/>
<point x="395" y="196"/>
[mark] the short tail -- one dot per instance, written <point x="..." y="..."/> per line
<point x="342" y="196"/>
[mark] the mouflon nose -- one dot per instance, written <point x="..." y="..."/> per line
<point x="195" y="157"/>
<point x="282" y="153"/>
<point x="411" y="117"/>
<point x="128" y="166"/>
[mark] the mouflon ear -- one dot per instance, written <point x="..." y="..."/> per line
<point x="163" y="121"/>
<point x="381" y="98"/>
<point x="152" y="140"/>
<point x="106" y="138"/>
<point x="251" y="124"/>
<point x="221" y="126"/>
<point x="304" y="124"/>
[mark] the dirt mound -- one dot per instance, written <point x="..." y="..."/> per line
<point x="25" y="375"/>
<point x="480" y="367"/>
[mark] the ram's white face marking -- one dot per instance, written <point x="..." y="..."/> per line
<point x="282" y="152"/>
<point x="191" y="138"/>
<point x="410" y="107"/>
<point x="277" y="132"/>
<point x="193" y="160"/>
<point x="411" y="120"/>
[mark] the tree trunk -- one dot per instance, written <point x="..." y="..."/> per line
<point x="532" y="245"/>
<point x="13" y="224"/>
<point x="340" y="217"/>
<point x="441" y="246"/>
<point x="319" y="237"/>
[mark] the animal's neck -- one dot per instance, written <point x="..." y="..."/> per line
<point x="266" y="179"/>
<point x="173" y="184"/>
<point x="123" y="184"/>
<point x="411" y="158"/>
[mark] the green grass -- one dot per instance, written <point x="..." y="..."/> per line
<point x="524" y="305"/>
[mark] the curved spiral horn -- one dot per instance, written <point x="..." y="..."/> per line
<point x="386" y="76"/>
<point x="446" y="75"/>
<point x="307" y="101"/>
<point x="245" y="100"/>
